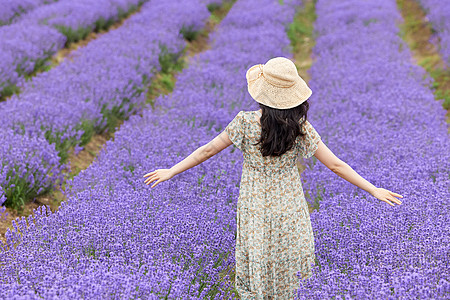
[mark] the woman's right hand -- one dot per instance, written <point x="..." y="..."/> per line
<point x="386" y="195"/>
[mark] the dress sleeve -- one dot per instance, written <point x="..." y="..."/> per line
<point x="235" y="130"/>
<point x="310" y="142"/>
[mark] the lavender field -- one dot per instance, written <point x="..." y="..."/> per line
<point x="116" y="238"/>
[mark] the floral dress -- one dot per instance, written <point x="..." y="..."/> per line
<point x="274" y="241"/>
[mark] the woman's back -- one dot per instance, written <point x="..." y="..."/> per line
<point x="274" y="234"/>
<point x="245" y="131"/>
<point x="274" y="239"/>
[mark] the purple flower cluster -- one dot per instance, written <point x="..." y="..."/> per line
<point x="116" y="238"/>
<point x="375" y="111"/>
<point x="12" y="9"/>
<point x="438" y="12"/>
<point x="26" y="45"/>
<point x="2" y="207"/>
<point x="27" y="164"/>
<point x="81" y="16"/>
<point x="104" y="80"/>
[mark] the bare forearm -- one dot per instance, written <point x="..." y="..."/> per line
<point x="347" y="173"/>
<point x="194" y="159"/>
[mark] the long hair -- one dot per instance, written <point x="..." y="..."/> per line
<point x="280" y="128"/>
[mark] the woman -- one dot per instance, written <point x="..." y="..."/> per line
<point x="274" y="242"/>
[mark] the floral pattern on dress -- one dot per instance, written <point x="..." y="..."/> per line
<point x="274" y="240"/>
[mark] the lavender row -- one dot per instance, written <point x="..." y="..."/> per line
<point x="116" y="238"/>
<point x="29" y="164"/>
<point x="27" y="45"/>
<point x="11" y="10"/>
<point x="75" y="19"/>
<point x="90" y="91"/>
<point x="373" y="108"/>
<point x="438" y="12"/>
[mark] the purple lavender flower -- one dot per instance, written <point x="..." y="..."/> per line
<point x="11" y="10"/>
<point x="26" y="164"/>
<point x="25" y="47"/>
<point x="374" y="110"/>
<point x="28" y="44"/>
<point x="100" y="87"/>
<point x="438" y="13"/>
<point x="172" y="241"/>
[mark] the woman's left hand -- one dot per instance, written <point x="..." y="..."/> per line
<point x="159" y="175"/>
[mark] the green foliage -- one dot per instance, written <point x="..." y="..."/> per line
<point x="441" y="83"/>
<point x="40" y="65"/>
<point x="19" y="191"/>
<point x="370" y="21"/>
<point x="121" y="14"/>
<point x="72" y="35"/>
<point x="115" y="114"/>
<point x="9" y="90"/>
<point x="170" y="61"/>
<point x="303" y="25"/>
<point x="193" y="122"/>
<point x="167" y="81"/>
<point x="219" y="11"/>
<point x="414" y="31"/>
<point x="189" y="33"/>
<point x="129" y="168"/>
<point x="102" y="24"/>
<point x="213" y="7"/>
<point x="200" y="179"/>
<point x="61" y="146"/>
<point x="446" y="96"/>
<point x="317" y="198"/>
<point x="88" y="131"/>
<point x="215" y="19"/>
<point x="90" y="252"/>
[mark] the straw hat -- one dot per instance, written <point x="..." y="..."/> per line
<point x="277" y="84"/>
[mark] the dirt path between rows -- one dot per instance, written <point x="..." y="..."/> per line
<point x="417" y="32"/>
<point x="301" y="34"/>
<point x="84" y="158"/>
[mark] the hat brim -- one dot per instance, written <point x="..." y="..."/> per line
<point x="252" y="73"/>
<point x="276" y="97"/>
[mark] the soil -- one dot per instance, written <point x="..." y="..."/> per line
<point x="302" y="43"/>
<point x="54" y="198"/>
<point x="200" y="44"/>
<point x="84" y="158"/>
<point x="65" y="53"/>
<point x="78" y="162"/>
<point x="417" y="33"/>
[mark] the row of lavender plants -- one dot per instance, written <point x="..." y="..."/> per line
<point x="27" y="45"/>
<point x="115" y="238"/>
<point x="75" y="19"/>
<point x="438" y="12"/>
<point x="11" y="10"/>
<point x="88" y="93"/>
<point x="374" y="109"/>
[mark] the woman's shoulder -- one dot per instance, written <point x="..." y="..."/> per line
<point x="248" y="115"/>
<point x="252" y="117"/>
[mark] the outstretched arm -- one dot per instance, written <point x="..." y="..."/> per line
<point x="201" y="154"/>
<point x="342" y="169"/>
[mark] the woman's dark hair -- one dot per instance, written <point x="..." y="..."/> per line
<point x="280" y="128"/>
